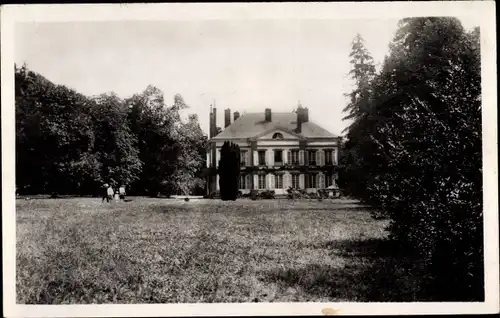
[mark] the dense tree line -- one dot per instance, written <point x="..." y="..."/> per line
<point x="414" y="149"/>
<point x="68" y="143"/>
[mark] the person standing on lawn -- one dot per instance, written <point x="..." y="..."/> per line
<point x="122" y="192"/>
<point x="110" y="193"/>
<point x="104" y="192"/>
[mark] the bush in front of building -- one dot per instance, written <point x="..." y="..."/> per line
<point x="267" y="194"/>
<point x="229" y="171"/>
<point x="254" y="194"/>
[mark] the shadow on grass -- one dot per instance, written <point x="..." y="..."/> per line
<point x="374" y="272"/>
<point x="368" y="248"/>
<point x="333" y="208"/>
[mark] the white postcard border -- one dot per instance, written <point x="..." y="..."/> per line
<point x="482" y="11"/>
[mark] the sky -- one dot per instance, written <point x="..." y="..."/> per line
<point x="244" y="65"/>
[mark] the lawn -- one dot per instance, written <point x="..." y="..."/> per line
<point x="165" y="251"/>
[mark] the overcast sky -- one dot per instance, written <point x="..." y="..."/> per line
<point x="244" y="65"/>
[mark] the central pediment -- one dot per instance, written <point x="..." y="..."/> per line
<point x="278" y="133"/>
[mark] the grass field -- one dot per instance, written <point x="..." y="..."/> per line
<point x="162" y="251"/>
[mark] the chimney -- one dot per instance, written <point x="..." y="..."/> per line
<point x="299" y="112"/>
<point x="236" y="116"/>
<point x="268" y="114"/>
<point x="211" y="124"/>
<point x="227" y="117"/>
<point x="214" y="122"/>
<point x="306" y="115"/>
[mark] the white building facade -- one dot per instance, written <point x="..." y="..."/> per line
<point x="278" y="151"/>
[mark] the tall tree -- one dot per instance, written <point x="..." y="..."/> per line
<point x="187" y="176"/>
<point x="362" y="73"/>
<point x="168" y="146"/>
<point x="426" y="130"/>
<point x="54" y="137"/>
<point x="115" y="145"/>
<point x="352" y="177"/>
<point x="151" y="124"/>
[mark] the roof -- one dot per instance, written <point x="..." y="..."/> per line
<point x="252" y="124"/>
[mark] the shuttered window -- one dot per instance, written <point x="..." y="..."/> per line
<point x="295" y="181"/>
<point x="278" y="181"/>
<point x="293" y="157"/>
<point x="262" y="181"/>
<point x="321" y="158"/>
<point x="244" y="158"/>
<point x="312" y="157"/>
<point x="328" y="180"/>
<point x="248" y="181"/>
<point x="321" y="181"/>
<point x="312" y="181"/>
<point x="328" y="157"/>
<point x="301" y="157"/>
<point x="278" y="157"/>
<point x="262" y="157"/>
<point x="287" y="181"/>
<point x="243" y="182"/>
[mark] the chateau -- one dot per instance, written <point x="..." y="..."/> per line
<point x="278" y="151"/>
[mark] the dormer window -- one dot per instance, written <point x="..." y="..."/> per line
<point x="278" y="136"/>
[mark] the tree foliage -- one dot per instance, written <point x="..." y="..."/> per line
<point x="351" y="177"/>
<point x="54" y="137"/>
<point x="229" y="171"/>
<point x="115" y="145"/>
<point x="362" y="73"/>
<point x="70" y="144"/>
<point x="421" y="153"/>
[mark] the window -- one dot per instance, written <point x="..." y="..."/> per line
<point x="312" y="181"/>
<point x="244" y="158"/>
<point x="278" y="136"/>
<point x="278" y="157"/>
<point x="328" y="157"/>
<point x="295" y="181"/>
<point x="243" y="183"/>
<point x="262" y="181"/>
<point x="262" y="157"/>
<point x="294" y="157"/>
<point x="278" y="181"/>
<point x="328" y="180"/>
<point x="312" y="157"/>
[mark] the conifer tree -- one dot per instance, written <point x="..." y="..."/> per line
<point x="352" y="178"/>
<point x="229" y="171"/>
<point x="362" y="73"/>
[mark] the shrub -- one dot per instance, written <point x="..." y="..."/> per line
<point x="322" y="193"/>
<point x="254" y="194"/>
<point x="267" y="194"/>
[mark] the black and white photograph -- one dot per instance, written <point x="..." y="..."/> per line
<point x="249" y="158"/>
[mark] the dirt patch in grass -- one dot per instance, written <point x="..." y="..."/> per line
<point x="162" y="251"/>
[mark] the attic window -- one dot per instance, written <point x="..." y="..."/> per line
<point x="278" y="136"/>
